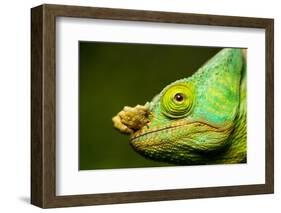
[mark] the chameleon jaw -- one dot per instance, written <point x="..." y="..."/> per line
<point x="187" y="130"/>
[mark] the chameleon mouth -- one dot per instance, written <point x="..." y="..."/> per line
<point x="148" y="131"/>
<point x="157" y="129"/>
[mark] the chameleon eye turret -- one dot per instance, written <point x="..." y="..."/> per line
<point x="177" y="101"/>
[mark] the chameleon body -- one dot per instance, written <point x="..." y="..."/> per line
<point x="196" y="120"/>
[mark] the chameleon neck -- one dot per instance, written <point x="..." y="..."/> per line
<point x="236" y="151"/>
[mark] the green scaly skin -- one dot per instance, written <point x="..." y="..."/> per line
<point x="200" y="119"/>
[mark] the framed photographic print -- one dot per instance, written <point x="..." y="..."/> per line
<point x="135" y="106"/>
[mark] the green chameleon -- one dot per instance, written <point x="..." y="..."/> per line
<point x="196" y="120"/>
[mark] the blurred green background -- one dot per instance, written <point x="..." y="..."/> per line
<point x="114" y="75"/>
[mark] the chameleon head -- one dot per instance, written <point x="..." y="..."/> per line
<point x="191" y="120"/>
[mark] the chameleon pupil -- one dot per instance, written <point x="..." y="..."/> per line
<point x="179" y="97"/>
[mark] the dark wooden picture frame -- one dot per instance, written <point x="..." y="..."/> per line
<point x="43" y="105"/>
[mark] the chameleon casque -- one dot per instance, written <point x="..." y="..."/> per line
<point x="196" y="120"/>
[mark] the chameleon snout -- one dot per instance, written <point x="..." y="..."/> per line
<point x="131" y="119"/>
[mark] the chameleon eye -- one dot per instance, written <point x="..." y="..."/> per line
<point x="177" y="101"/>
<point x="179" y="97"/>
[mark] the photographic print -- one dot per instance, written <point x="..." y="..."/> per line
<point x="135" y="106"/>
<point x="150" y="105"/>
